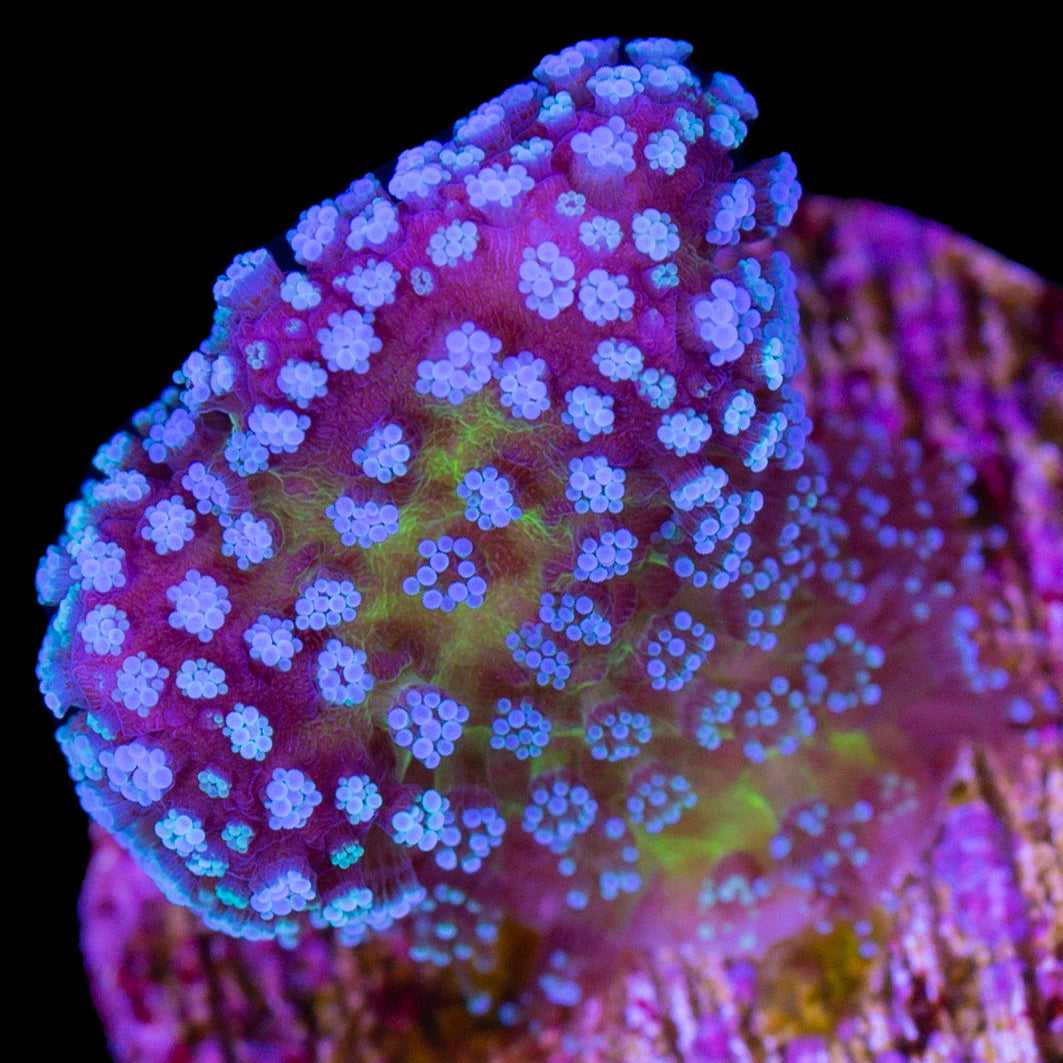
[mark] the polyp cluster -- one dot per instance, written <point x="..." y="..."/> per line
<point x="480" y="568"/>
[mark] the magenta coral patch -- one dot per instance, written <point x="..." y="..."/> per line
<point x="509" y="486"/>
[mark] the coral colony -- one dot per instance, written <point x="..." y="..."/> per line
<point x="479" y="576"/>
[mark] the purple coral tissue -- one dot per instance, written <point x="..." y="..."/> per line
<point x="512" y="456"/>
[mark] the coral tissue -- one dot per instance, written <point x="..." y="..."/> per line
<point x="482" y="569"/>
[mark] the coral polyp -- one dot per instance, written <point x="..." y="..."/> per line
<point x="480" y="569"/>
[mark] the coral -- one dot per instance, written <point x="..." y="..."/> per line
<point x="670" y="536"/>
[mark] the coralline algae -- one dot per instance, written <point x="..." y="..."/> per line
<point x="609" y="549"/>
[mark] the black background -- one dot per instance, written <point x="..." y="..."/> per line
<point x="152" y="169"/>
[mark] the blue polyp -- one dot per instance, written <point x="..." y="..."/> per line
<point x="519" y="728"/>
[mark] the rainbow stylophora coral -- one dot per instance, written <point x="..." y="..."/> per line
<point x="480" y="573"/>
